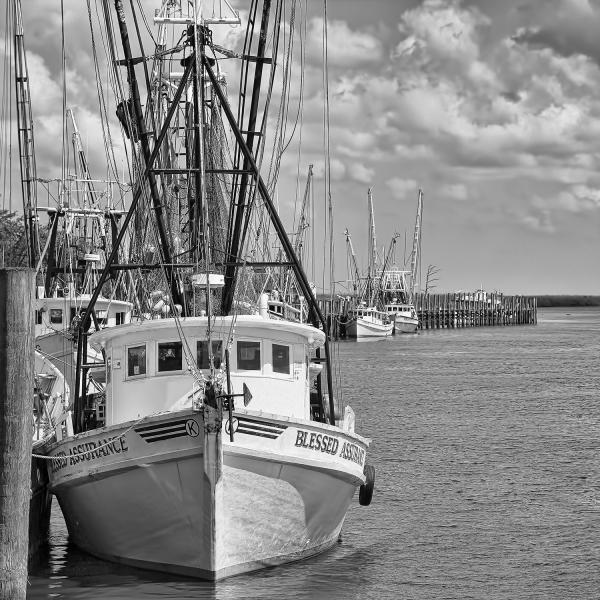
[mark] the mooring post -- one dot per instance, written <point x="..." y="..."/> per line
<point x="16" y="426"/>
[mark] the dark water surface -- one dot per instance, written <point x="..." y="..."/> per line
<point x="486" y="445"/>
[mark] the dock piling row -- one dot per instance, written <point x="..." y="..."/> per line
<point x="449" y="311"/>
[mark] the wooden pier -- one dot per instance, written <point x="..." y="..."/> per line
<point x="449" y="311"/>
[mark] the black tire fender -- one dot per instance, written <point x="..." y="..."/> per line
<point x="365" y="493"/>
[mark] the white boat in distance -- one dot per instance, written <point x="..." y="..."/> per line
<point x="404" y="317"/>
<point x="397" y="293"/>
<point x="366" y="321"/>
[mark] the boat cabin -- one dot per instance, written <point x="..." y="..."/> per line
<point x="367" y="313"/>
<point x="402" y="309"/>
<point x="59" y="314"/>
<point x="157" y="365"/>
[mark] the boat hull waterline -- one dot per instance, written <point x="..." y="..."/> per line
<point x="404" y="324"/>
<point x="144" y="496"/>
<point x="361" y="328"/>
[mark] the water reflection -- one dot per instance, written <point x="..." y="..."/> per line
<point x="68" y="572"/>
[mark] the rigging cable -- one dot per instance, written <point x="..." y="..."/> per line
<point x="329" y="220"/>
<point x="6" y="112"/>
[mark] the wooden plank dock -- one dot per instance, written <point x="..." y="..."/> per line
<point x="449" y="311"/>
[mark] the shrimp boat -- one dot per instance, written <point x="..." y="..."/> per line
<point x="399" y="305"/>
<point x="51" y="422"/>
<point x="367" y="319"/>
<point x="398" y="294"/>
<point x="220" y="445"/>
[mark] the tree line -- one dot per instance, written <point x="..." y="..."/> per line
<point x="567" y="300"/>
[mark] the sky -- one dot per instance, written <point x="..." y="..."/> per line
<point x="491" y="108"/>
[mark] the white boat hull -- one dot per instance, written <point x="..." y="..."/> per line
<point x="363" y="328"/>
<point x="405" y="324"/>
<point x="151" y="502"/>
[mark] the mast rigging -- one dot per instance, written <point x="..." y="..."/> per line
<point x="25" y="135"/>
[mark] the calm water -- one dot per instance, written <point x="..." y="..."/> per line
<point x="488" y="478"/>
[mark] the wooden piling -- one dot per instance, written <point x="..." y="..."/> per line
<point x="16" y="426"/>
<point x="449" y="311"/>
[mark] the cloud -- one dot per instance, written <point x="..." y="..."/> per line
<point x="337" y="168"/>
<point x="400" y="188"/>
<point x="456" y="191"/>
<point x="347" y="49"/>
<point x="358" y="172"/>
<point x="448" y="32"/>
<point x="568" y="27"/>
<point x="580" y="198"/>
<point x="539" y="221"/>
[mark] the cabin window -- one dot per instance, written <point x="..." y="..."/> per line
<point x="120" y="318"/>
<point x="38" y="317"/>
<point x="56" y="316"/>
<point x="136" y="361"/>
<point x="248" y="356"/>
<point x="202" y="354"/>
<point x="281" y="359"/>
<point x="170" y="357"/>
<point x="102" y="316"/>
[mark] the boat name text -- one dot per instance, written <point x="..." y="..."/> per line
<point x="88" y="451"/>
<point x="353" y="452"/>
<point x="331" y="445"/>
<point x="317" y="441"/>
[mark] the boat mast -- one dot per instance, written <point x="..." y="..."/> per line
<point x="139" y="127"/>
<point x="303" y="224"/>
<point x="83" y="164"/>
<point x="26" y="141"/>
<point x="242" y="204"/>
<point x="315" y="314"/>
<point x="414" y="260"/>
<point x="138" y="191"/>
<point x="372" y="250"/>
<point x="386" y="262"/>
<point x="356" y="275"/>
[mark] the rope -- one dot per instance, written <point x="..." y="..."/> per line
<point x="111" y="440"/>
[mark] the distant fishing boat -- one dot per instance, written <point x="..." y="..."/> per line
<point x="367" y="321"/>
<point x="367" y="317"/>
<point x="398" y="294"/>
<point x="398" y="304"/>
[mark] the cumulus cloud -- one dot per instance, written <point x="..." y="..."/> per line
<point x="456" y="191"/>
<point x="400" y="188"/>
<point x="539" y="221"/>
<point x="449" y="33"/>
<point x="580" y="198"/>
<point x="360" y="173"/>
<point x="337" y="169"/>
<point x="347" y="48"/>
<point x="568" y="27"/>
<point x="467" y="98"/>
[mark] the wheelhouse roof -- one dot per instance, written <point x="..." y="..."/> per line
<point x="244" y="324"/>
<point x="76" y="300"/>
